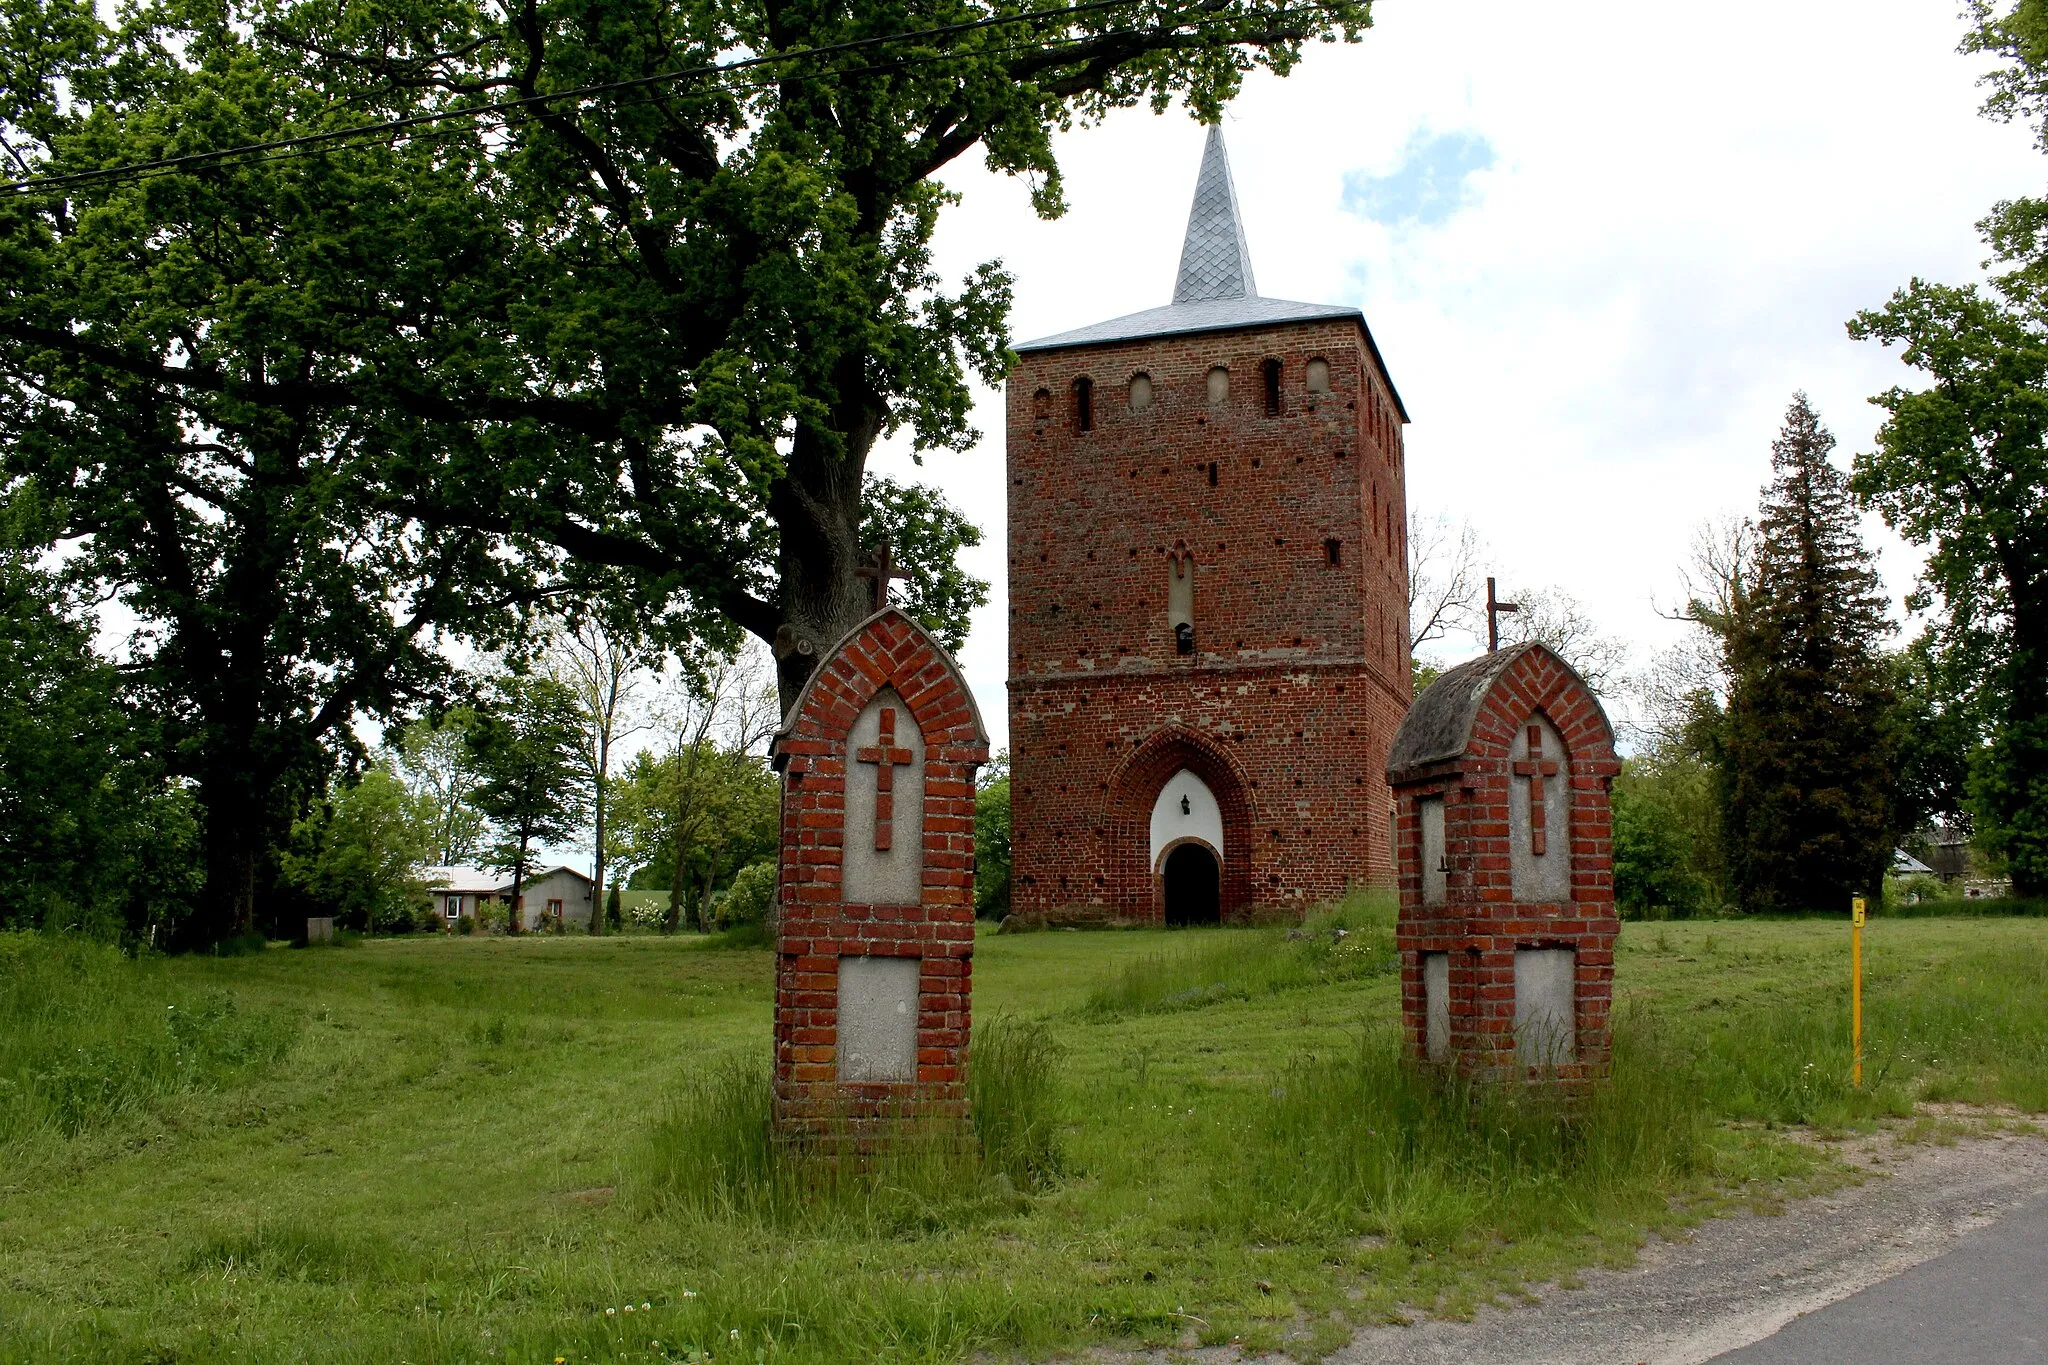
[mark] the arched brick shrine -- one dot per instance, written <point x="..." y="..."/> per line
<point x="875" y="930"/>
<point x="1504" y="838"/>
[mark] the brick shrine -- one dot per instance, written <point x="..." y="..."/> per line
<point x="875" y="927"/>
<point x="1208" y="600"/>
<point x="1506" y="935"/>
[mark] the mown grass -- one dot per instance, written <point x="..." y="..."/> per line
<point x="1346" y="942"/>
<point x="475" y="1150"/>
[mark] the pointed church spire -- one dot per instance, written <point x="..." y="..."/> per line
<point x="1215" y="263"/>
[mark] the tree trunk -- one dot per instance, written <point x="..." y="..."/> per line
<point x="817" y="508"/>
<point x="673" y="920"/>
<point x="704" y="903"/>
<point x="597" y="851"/>
<point x="512" y="925"/>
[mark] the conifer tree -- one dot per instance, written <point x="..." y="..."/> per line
<point x="1807" y="758"/>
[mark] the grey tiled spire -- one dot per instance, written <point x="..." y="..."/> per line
<point x="1215" y="263"/>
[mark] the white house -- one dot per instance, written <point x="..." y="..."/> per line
<point x="551" y="895"/>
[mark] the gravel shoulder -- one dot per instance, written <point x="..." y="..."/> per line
<point x="1738" y="1279"/>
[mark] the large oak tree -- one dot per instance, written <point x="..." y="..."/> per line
<point x="647" y="336"/>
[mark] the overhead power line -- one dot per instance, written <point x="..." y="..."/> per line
<point x="198" y="160"/>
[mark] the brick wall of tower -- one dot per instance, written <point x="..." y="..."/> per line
<point x="1300" y="671"/>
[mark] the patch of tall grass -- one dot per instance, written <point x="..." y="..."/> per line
<point x="88" y="1035"/>
<point x="1977" y="1031"/>
<point x="714" y="1152"/>
<point x="1372" y="1143"/>
<point x="1352" y="939"/>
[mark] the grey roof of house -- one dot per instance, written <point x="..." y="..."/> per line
<point x="1214" y="291"/>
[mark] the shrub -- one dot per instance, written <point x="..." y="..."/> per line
<point x="748" y="898"/>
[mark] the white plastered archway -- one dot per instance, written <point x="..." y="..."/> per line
<point x="1201" y="819"/>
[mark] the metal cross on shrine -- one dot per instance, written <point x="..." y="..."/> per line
<point x="1495" y="609"/>
<point x="886" y="757"/>
<point x="1536" y="768"/>
<point x="880" y="570"/>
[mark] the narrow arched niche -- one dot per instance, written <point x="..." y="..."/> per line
<point x="1219" y="386"/>
<point x="1141" y="392"/>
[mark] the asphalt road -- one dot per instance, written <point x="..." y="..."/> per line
<point x="1984" y="1303"/>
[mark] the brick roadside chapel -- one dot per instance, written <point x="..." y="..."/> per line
<point x="875" y="933"/>
<point x="1208" y="600"/>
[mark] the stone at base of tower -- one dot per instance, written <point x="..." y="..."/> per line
<point x="1504" y="834"/>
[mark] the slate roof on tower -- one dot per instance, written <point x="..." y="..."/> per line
<point x="1214" y="291"/>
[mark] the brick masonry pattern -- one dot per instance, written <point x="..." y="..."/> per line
<point x="1480" y="924"/>
<point x="1300" y="673"/>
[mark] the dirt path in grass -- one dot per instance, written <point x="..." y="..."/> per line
<point x="1737" y="1280"/>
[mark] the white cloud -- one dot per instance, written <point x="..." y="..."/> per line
<point x="1683" y="209"/>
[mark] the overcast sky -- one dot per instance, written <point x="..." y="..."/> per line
<point x="1599" y="243"/>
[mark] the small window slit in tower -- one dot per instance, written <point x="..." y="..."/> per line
<point x="1333" y="551"/>
<point x="1272" y="368"/>
<point x="1212" y="473"/>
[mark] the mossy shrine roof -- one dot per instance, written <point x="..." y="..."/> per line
<point x="1438" y="726"/>
<point x="1214" y="291"/>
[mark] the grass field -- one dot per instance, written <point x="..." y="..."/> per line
<point x="474" y="1149"/>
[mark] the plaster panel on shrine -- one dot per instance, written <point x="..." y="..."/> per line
<point x="1430" y="812"/>
<point x="878" y="1018"/>
<point x="1436" y="1005"/>
<point x="1546" y="1018"/>
<point x="1539" y="829"/>
<point x="1186" y="808"/>
<point x="883" y="857"/>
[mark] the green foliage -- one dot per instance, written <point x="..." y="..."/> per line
<point x="353" y="856"/>
<point x="1350" y="941"/>
<point x="89" y="1037"/>
<point x="614" y="916"/>
<point x="749" y="898"/>
<point x="926" y="533"/>
<point x="1666" y="837"/>
<point x="728" y="804"/>
<point x="1807" y="739"/>
<point x="992" y="841"/>
<point x="91" y="835"/>
<point x="659" y="331"/>
<point x="1959" y="467"/>
<point x="526" y="748"/>
<point x="432" y="757"/>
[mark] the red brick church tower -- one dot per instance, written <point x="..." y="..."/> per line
<point x="1208" y="599"/>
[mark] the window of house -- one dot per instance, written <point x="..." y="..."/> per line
<point x="1041" y="404"/>
<point x="1333" y="551"/>
<point x="1084" y="404"/>
<point x="1319" y="376"/>
<point x="1272" y="369"/>
<point x="1219" y="386"/>
<point x="1141" y="392"/>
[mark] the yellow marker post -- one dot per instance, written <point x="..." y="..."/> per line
<point x="1856" y="989"/>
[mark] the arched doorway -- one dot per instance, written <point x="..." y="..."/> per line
<point x="1193" y="885"/>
